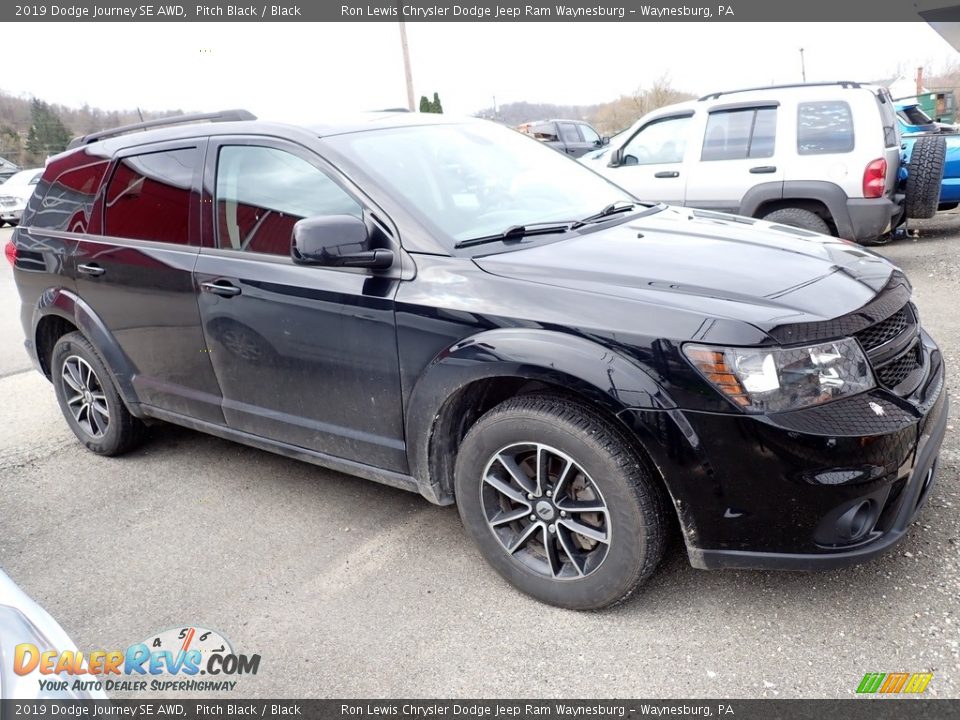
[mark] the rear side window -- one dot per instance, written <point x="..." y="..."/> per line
<point x="544" y="131"/>
<point x="262" y="192"/>
<point x="740" y="134"/>
<point x="67" y="203"/>
<point x="568" y="132"/>
<point x="148" y="197"/>
<point x="824" y="128"/>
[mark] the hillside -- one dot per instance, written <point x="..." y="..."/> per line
<point x="16" y="120"/>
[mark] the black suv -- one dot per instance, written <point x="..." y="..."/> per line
<point x="452" y="308"/>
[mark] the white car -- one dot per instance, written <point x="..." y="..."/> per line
<point x="23" y="621"/>
<point x="823" y="156"/>
<point x="15" y="193"/>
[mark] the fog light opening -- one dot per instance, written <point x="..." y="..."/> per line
<point x="856" y="522"/>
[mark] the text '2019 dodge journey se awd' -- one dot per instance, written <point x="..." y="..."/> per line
<point x="450" y="307"/>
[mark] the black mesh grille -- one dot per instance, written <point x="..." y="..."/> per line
<point x="896" y="371"/>
<point x="885" y="330"/>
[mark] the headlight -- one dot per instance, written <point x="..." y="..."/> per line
<point x="770" y="380"/>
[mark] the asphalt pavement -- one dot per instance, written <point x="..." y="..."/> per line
<point x="346" y="588"/>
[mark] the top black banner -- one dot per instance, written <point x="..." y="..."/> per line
<point x="647" y="11"/>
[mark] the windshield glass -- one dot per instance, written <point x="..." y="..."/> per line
<point x="915" y="116"/>
<point x="477" y="179"/>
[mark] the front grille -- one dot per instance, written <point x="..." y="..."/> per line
<point x="885" y="330"/>
<point x="896" y="331"/>
<point x="898" y="370"/>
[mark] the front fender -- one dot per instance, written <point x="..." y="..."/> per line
<point x="576" y="363"/>
<point x="69" y="306"/>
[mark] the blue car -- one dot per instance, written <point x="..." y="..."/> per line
<point x="914" y="124"/>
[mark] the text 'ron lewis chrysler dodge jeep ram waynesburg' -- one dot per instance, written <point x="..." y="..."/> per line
<point x="450" y="307"/>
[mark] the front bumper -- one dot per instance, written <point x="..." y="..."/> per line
<point x="8" y="214"/>
<point x="812" y="489"/>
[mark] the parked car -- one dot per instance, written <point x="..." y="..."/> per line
<point x="7" y="170"/>
<point x="571" y="137"/>
<point x="822" y="156"/>
<point x="916" y="124"/>
<point x="444" y="306"/>
<point x="22" y="620"/>
<point x="15" y="193"/>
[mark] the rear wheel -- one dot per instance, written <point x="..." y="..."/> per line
<point x="559" y="502"/>
<point x="799" y="217"/>
<point x="89" y="399"/>
<point x="924" y="176"/>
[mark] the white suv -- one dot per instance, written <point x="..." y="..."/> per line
<point x="824" y="157"/>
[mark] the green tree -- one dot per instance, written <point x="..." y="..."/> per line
<point x="48" y="135"/>
<point x="11" y="145"/>
<point x="436" y="106"/>
<point x="425" y="104"/>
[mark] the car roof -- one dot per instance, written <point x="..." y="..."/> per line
<point x="343" y="124"/>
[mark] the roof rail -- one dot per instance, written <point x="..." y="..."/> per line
<point x="842" y="83"/>
<point x="221" y="116"/>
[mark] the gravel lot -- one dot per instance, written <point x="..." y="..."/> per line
<point x="351" y="589"/>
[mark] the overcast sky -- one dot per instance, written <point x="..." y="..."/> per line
<point x="300" y="72"/>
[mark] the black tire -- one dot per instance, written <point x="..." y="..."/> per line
<point x="118" y="430"/>
<point x="13" y="223"/>
<point x="798" y="217"/>
<point x="947" y="206"/>
<point x="924" y="176"/>
<point x="604" y="468"/>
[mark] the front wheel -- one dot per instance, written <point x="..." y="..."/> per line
<point x="559" y="502"/>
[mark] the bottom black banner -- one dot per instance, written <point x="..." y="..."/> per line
<point x="854" y="709"/>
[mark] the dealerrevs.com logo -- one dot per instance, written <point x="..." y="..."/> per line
<point x="188" y="659"/>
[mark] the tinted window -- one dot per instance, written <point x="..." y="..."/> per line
<point x="68" y="202"/>
<point x="262" y="192"/>
<point x="739" y="134"/>
<point x="568" y="132"/>
<point x="544" y="131"/>
<point x="588" y="134"/>
<point x="663" y="141"/>
<point x="915" y="116"/>
<point x="148" y="197"/>
<point x="824" y="127"/>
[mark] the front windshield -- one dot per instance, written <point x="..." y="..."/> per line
<point x="477" y="179"/>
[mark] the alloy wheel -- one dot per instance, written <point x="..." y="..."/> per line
<point x="545" y="511"/>
<point x="85" y="396"/>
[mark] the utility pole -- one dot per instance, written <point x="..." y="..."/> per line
<point x="803" y="66"/>
<point x="406" y="66"/>
<point x="494" y="107"/>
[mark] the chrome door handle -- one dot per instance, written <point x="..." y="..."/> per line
<point x="91" y="269"/>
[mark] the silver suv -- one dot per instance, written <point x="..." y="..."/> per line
<point x="825" y="157"/>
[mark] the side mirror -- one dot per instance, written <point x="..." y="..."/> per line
<point x="605" y="140"/>
<point x="337" y="241"/>
<point x="616" y="157"/>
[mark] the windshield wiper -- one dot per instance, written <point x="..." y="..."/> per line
<point x="611" y="209"/>
<point x="515" y="232"/>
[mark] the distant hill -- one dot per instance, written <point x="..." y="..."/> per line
<point x="15" y="123"/>
<point x="519" y="112"/>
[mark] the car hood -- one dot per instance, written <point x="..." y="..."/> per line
<point x="719" y="265"/>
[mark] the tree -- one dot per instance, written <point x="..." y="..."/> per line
<point x="11" y="145"/>
<point x="426" y="106"/>
<point x="48" y="135"/>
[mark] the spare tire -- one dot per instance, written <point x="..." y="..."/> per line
<point x="924" y="175"/>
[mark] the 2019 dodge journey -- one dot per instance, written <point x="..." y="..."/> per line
<point x="450" y="307"/>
